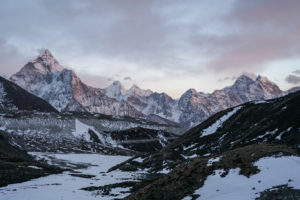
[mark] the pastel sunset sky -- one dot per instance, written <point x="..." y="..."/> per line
<point x="166" y="46"/>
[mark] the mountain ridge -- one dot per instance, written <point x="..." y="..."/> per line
<point x="63" y="89"/>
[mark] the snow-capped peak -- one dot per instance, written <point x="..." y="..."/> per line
<point x="263" y="79"/>
<point x="46" y="63"/>
<point x="135" y="90"/>
<point x="116" y="90"/>
<point x="244" y="78"/>
<point x="190" y="92"/>
<point x="242" y="83"/>
<point x="271" y="90"/>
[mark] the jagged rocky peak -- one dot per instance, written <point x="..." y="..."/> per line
<point x="242" y="83"/>
<point x="244" y="79"/>
<point x="189" y="93"/>
<point x="271" y="90"/>
<point x="116" y="90"/>
<point x="46" y="63"/>
<point x="264" y="80"/>
<point x="136" y="90"/>
<point x="186" y="97"/>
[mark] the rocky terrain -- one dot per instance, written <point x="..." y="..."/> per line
<point x="221" y="176"/>
<point x="17" y="166"/>
<point x="64" y="90"/>
<point x="238" y="137"/>
<point x="84" y="132"/>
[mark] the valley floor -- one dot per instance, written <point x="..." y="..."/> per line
<point x="88" y="170"/>
<point x="277" y="174"/>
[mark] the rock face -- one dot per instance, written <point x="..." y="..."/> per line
<point x="46" y="78"/>
<point x="13" y="97"/>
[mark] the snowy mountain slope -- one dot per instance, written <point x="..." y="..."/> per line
<point x="243" y="173"/>
<point x="83" y="132"/>
<point x="116" y="90"/>
<point x="46" y="78"/>
<point x="275" y="121"/>
<point x="13" y="97"/>
<point x="196" y="107"/>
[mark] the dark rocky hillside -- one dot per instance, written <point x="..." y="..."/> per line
<point x="187" y="178"/>
<point x="269" y="122"/>
<point x="235" y="138"/>
<point x="17" y="166"/>
<point x="143" y="140"/>
<point x="13" y="97"/>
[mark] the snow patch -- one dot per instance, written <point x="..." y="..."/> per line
<point x="139" y="159"/>
<point x="214" y="127"/>
<point x="267" y="133"/>
<point x="278" y="137"/>
<point x="34" y="167"/>
<point x="213" y="160"/>
<point x="259" y="101"/>
<point x="274" y="172"/>
<point x="82" y="131"/>
<point x="190" y="157"/>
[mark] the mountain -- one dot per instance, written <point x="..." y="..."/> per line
<point x="275" y="121"/>
<point x="13" y="97"/>
<point x="47" y="79"/>
<point x="196" y="107"/>
<point x="250" y="145"/>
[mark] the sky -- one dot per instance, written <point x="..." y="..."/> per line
<point x="166" y="46"/>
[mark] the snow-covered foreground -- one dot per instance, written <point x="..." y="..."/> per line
<point x="274" y="172"/>
<point x="66" y="187"/>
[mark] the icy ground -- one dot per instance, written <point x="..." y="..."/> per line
<point x="274" y="172"/>
<point x="66" y="187"/>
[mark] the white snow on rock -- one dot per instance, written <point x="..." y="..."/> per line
<point x="34" y="167"/>
<point x="278" y="137"/>
<point x="213" y="160"/>
<point x="138" y="159"/>
<point x="190" y="157"/>
<point x="81" y="131"/>
<point x="214" y="127"/>
<point x="274" y="172"/>
<point x="165" y="170"/>
<point x="267" y="133"/>
<point x="259" y="101"/>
